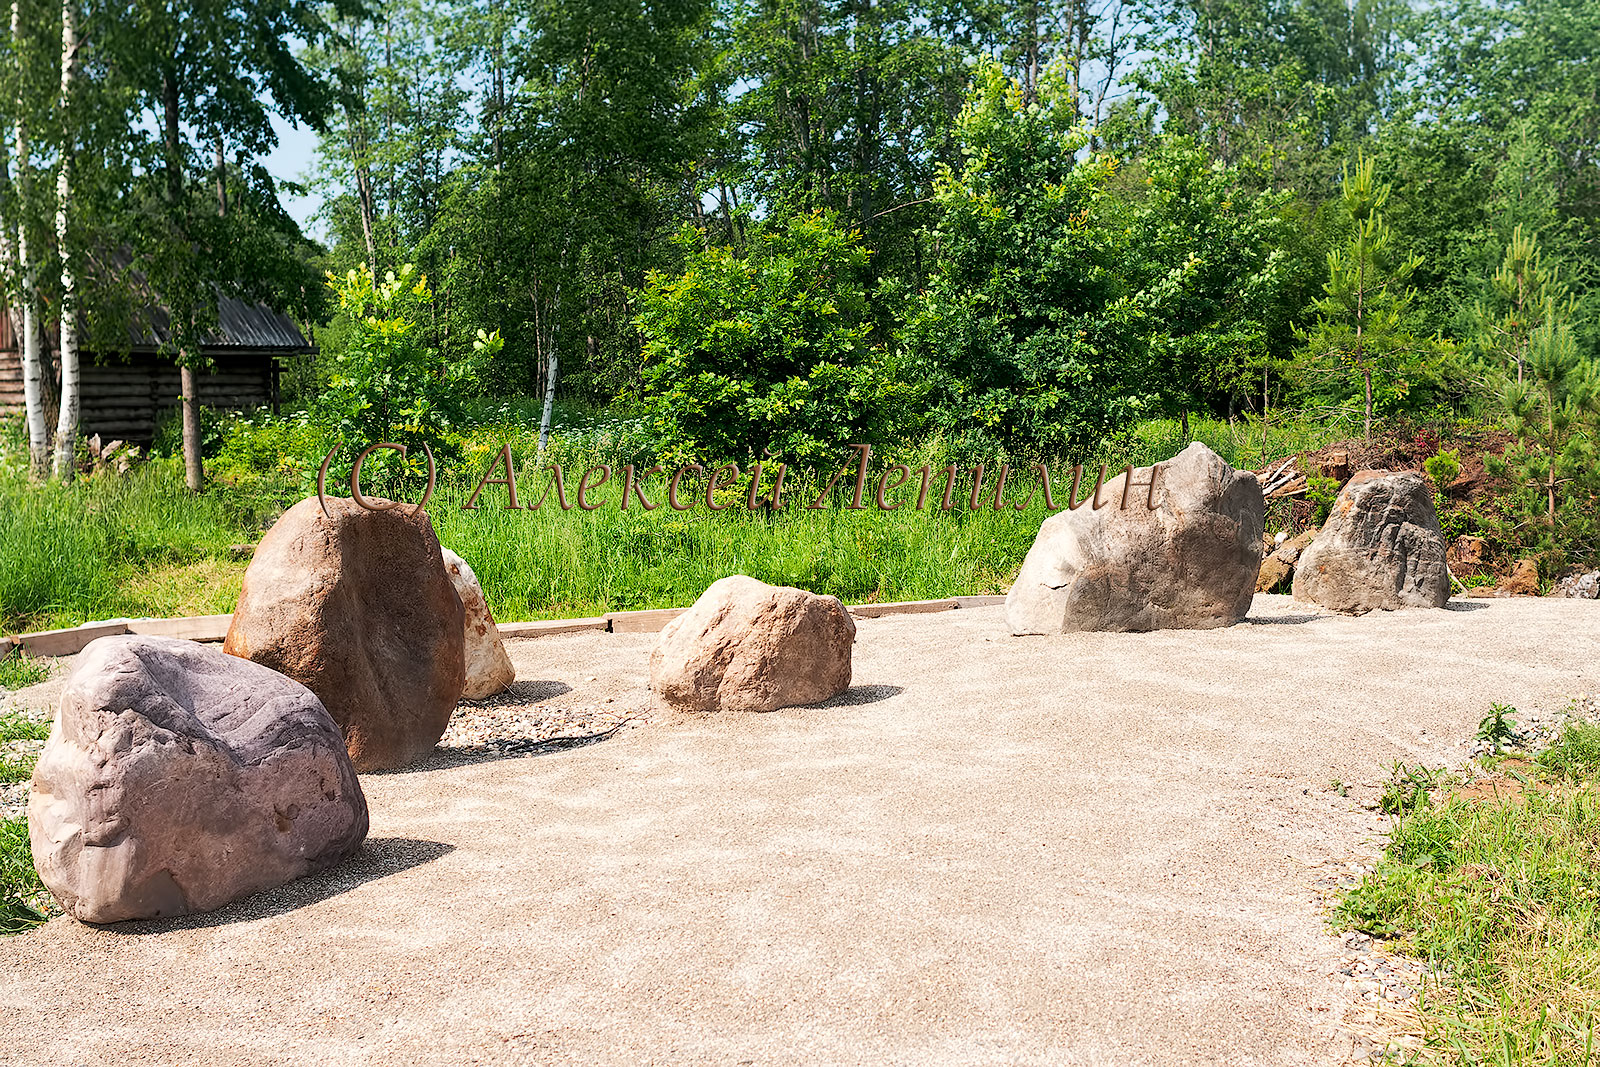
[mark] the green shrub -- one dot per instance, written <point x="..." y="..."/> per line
<point x="770" y="349"/>
<point x="1321" y="492"/>
<point x="1443" y="468"/>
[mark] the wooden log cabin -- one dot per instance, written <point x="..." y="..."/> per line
<point x="123" y="395"/>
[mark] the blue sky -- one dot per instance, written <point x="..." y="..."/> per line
<point x="291" y="161"/>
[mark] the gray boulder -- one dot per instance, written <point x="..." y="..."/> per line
<point x="1581" y="586"/>
<point x="749" y="646"/>
<point x="1381" y="548"/>
<point x="1190" y="561"/>
<point x="177" y="779"/>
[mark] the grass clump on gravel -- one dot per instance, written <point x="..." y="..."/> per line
<point x="18" y="671"/>
<point x="23" y="899"/>
<point x="1502" y="898"/>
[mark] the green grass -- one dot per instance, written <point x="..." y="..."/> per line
<point x="106" y="547"/>
<point x="1503" y="899"/>
<point x="23" y="900"/>
<point x="18" y="671"/>
<point x="72" y="553"/>
<point x="550" y="563"/>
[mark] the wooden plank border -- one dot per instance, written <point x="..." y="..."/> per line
<point x="213" y="628"/>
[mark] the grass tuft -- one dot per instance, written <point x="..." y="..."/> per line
<point x="19" y="670"/>
<point x="1502" y="898"/>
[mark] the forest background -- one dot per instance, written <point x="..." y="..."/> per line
<point x="965" y="231"/>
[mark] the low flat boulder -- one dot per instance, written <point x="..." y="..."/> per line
<point x="1278" y="565"/>
<point x="488" y="665"/>
<point x="178" y="779"/>
<point x="1184" y="555"/>
<point x="1381" y="548"/>
<point x="357" y="606"/>
<point x="749" y="646"/>
<point x="1585" y="586"/>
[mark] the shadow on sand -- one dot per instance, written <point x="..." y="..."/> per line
<point x="858" y="694"/>
<point x="377" y="858"/>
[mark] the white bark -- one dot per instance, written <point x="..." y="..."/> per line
<point x="549" y="404"/>
<point x="26" y="321"/>
<point x="67" y="422"/>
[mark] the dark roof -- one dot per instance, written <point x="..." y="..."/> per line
<point x="241" y="325"/>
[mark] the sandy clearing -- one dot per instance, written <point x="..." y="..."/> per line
<point x="1084" y="849"/>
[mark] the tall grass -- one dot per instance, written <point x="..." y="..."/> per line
<point x="71" y="552"/>
<point x="549" y="563"/>
<point x="1503" y="899"/>
<point x="140" y="545"/>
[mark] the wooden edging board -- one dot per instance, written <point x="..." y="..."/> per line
<point x="71" y="641"/>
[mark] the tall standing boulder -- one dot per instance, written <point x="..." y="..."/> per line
<point x="177" y="779"/>
<point x="1183" y="555"/>
<point x="489" y="669"/>
<point x="356" y="605"/>
<point x="1381" y="548"/>
<point x="749" y="646"/>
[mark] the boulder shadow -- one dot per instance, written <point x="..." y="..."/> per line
<point x="378" y="857"/>
<point x="1281" y="620"/>
<point x="856" y="695"/>
<point x="521" y="693"/>
<point x="503" y="748"/>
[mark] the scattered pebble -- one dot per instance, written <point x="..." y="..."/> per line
<point x="14" y="795"/>
<point x="529" y="717"/>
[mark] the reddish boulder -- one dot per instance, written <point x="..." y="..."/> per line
<point x="749" y="646"/>
<point x="357" y="606"/>
<point x="177" y="779"/>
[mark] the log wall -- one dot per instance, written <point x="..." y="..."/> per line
<point x="125" y="399"/>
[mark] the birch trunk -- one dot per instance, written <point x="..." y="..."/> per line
<point x="26" y="321"/>
<point x="67" y="420"/>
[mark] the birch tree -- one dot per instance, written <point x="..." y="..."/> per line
<point x="67" y="416"/>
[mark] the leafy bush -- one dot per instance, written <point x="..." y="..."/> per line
<point x="770" y="349"/>
<point x="1030" y="338"/>
<point x="1321" y="492"/>
<point x="388" y="383"/>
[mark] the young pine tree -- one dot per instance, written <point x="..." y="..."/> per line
<point x="1526" y="291"/>
<point x="1361" y="333"/>
<point x="1551" y="409"/>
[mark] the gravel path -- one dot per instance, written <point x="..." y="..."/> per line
<point x="1085" y="849"/>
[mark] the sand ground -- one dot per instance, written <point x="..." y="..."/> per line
<point x="1083" y="849"/>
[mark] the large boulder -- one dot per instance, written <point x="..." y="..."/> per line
<point x="357" y="606"/>
<point x="489" y="669"/>
<point x="1381" y="548"/>
<point x="177" y="779"/>
<point x="1184" y="555"/>
<point x="749" y="646"/>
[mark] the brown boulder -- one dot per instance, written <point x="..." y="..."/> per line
<point x="749" y="646"/>
<point x="177" y="779"/>
<point x="1523" y="579"/>
<point x="489" y="669"/>
<point x="358" y="608"/>
<point x="1279" y="564"/>
<point x="1189" y="562"/>
<point x="1381" y="548"/>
